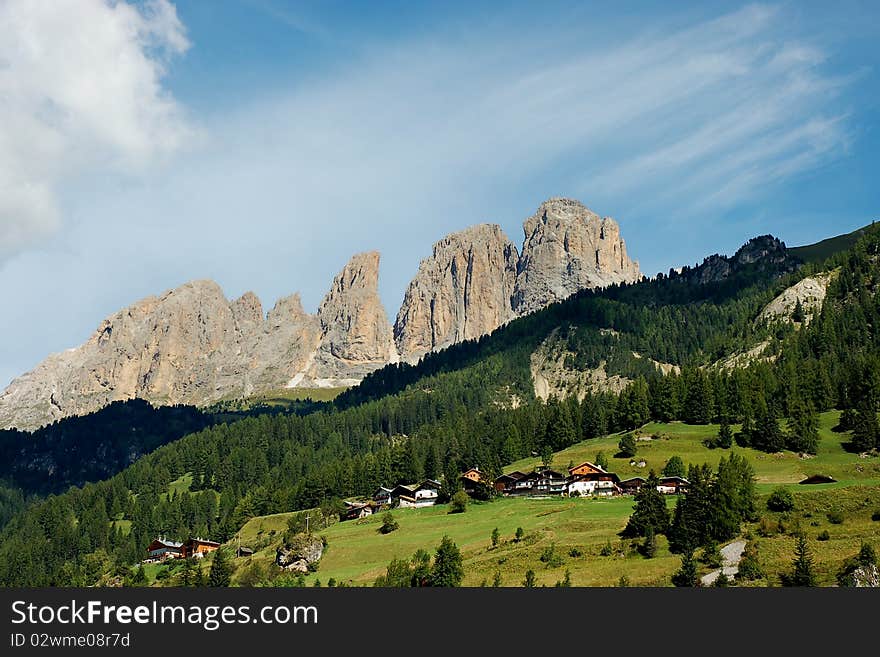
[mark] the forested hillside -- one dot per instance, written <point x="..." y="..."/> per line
<point x="473" y="404"/>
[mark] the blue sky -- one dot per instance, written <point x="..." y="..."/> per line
<point x="261" y="143"/>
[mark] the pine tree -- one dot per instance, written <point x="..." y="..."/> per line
<point x="496" y="535"/>
<point x="188" y="576"/>
<point x="649" y="547"/>
<point x="803" y="573"/>
<point x="601" y="460"/>
<point x="496" y="581"/>
<point x="221" y="569"/>
<point x="447" y="570"/>
<point x="674" y="467"/>
<point x="865" y="429"/>
<point x="529" y="581"/>
<point x="627" y="445"/>
<point x="803" y="427"/>
<point x="798" y="315"/>
<point x="649" y="511"/>
<point x="687" y="574"/>
<point x="725" y="436"/>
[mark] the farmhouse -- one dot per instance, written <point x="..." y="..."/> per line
<point x="602" y="484"/>
<point x="162" y="548"/>
<point x="672" y="485"/>
<point x="471" y="479"/>
<point x="550" y="482"/>
<point x="631" y="486"/>
<point x="506" y="483"/>
<point x="419" y="495"/>
<point x="356" y="510"/>
<point x="585" y="468"/>
<point x="383" y="496"/>
<point x="198" y="547"/>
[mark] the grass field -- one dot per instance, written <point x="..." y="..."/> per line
<point x="579" y="528"/>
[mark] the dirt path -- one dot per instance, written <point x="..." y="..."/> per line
<point x="730" y="555"/>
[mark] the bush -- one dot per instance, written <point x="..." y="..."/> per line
<point x="780" y="500"/>
<point x="519" y="534"/>
<point x="749" y="566"/>
<point x="823" y="535"/>
<point x="606" y="550"/>
<point x="389" y="524"/>
<point x="876" y="516"/>
<point x="459" y="502"/>
<point x="627" y="446"/>
<point x="550" y="557"/>
<point x="835" y="518"/>
<point x="767" y="527"/>
<point x="575" y="553"/>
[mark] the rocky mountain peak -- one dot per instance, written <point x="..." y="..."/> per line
<point x="461" y="291"/>
<point x="568" y="248"/>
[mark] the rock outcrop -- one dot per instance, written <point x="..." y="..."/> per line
<point x="568" y="248"/>
<point x="809" y="292"/>
<point x="193" y="346"/>
<point x="299" y="553"/>
<point x="462" y="291"/>
<point x="356" y="337"/>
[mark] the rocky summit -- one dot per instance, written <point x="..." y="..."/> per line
<point x="193" y="346"/>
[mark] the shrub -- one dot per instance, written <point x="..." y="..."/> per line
<point x="780" y="500"/>
<point x="389" y="524"/>
<point x="823" y="535"/>
<point x="767" y="527"/>
<point x="529" y="581"/>
<point x="575" y="553"/>
<point x="550" y="557"/>
<point x="749" y="566"/>
<point x="459" y="502"/>
<point x="606" y="550"/>
<point x="496" y="535"/>
<point x="835" y="518"/>
<point x="519" y="534"/>
<point x="876" y="516"/>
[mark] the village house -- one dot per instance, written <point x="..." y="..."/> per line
<point x="631" y="486"/>
<point x="198" y="547"/>
<point x="672" y="485"/>
<point x="162" y="548"/>
<point x="420" y="495"/>
<point x="550" y="482"/>
<point x="382" y="496"/>
<point x="471" y="479"/>
<point x="506" y="483"/>
<point x="601" y="484"/>
<point x="356" y="510"/>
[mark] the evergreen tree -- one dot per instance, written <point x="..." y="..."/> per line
<point x="767" y="436"/>
<point x="649" y="511"/>
<point x="802" y="573"/>
<point x="448" y="570"/>
<point x="529" y="581"/>
<point x="649" y="547"/>
<point x="865" y="429"/>
<point x="601" y="460"/>
<point x="496" y="580"/>
<point x="496" y="535"/>
<point x="798" y="315"/>
<point x="687" y="574"/>
<point x="749" y="566"/>
<point x="188" y="576"/>
<point x="674" y="467"/>
<point x="140" y="576"/>
<point x="221" y="569"/>
<point x="803" y="427"/>
<point x="725" y="436"/>
<point x="627" y="446"/>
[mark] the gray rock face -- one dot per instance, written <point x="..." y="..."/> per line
<point x="356" y="336"/>
<point x="193" y="346"/>
<point x="568" y="248"/>
<point x="461" y="291"/>
<point x="299" y="553"/>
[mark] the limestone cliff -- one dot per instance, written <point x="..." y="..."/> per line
<point x="568" y="248"/>
<point x="461" y="291"/>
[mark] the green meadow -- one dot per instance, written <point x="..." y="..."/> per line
<point x="579" y="531"/>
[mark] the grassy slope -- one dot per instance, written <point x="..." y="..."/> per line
<point x="820" y="251"/>
<point x="357" y="553"/>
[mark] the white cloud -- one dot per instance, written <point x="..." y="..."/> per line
<point x="80" y="90"/>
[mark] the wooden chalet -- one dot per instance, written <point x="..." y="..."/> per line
<point x="470" y="479"/>
<point x="162" y="548"/>
<point x="199" y="547"/>
<point x="550" y="482"/>
<point x="672" y="485"/>
<point x="585" y="468"/>
<point x="383" y="496"/>
<point x="601" y="484"/>
<point x="631" y="486"/>
<point x="356" y="510"/>
<point x="506" y="483"/>
<point x="417" y="495"/>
